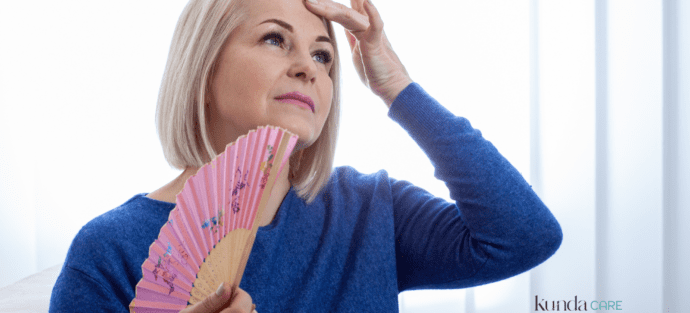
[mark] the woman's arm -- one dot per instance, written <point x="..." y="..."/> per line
<point x="497" y="228"/>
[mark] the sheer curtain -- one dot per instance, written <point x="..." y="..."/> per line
<point x="585" y="98"/>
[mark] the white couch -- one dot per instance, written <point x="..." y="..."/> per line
<point x="31" y="294"/>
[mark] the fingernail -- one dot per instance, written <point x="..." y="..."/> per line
<point x="313" y="1"/>
<point x="221" y="289"/>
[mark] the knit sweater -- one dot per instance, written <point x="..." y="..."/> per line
<point x="363" y="240"/>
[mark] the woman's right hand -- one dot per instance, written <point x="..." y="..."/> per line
<point x="224" y="300"/>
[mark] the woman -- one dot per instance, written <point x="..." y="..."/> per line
<point x="332" y="240"/>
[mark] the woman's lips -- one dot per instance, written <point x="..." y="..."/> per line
<point x="297" y="99"/>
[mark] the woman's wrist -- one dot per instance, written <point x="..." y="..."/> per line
<point x="389" y="94"/>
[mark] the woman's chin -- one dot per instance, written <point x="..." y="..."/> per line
<point x="304" y="141"/>
<point x="307" y="134"/>
<point x="301" y="144"/>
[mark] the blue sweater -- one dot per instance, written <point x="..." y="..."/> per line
<point x="362" y="241"/>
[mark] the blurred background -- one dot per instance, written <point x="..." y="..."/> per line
<point x="589" y="100"/>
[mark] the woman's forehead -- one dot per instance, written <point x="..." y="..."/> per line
<point x="292" y="12"/>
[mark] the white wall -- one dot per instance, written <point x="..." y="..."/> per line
<point x="78" y="87"/>
<point x="676" y="277"/>
<point x="635" y="135"/>
<point x="613" y="151"/>
<point x="566" y="145"/>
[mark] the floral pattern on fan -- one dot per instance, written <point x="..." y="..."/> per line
<point x="266" y="166"/>
<point x="208" y="236"/>
<point x="162" y="270"/>
<point x="214" y="223"/>
<point x="239" y="185"/>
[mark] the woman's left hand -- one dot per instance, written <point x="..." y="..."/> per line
<point x="377" y="65"/>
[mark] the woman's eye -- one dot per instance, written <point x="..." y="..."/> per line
<point x="323" y="56"/>
<point x="274" y="39"/>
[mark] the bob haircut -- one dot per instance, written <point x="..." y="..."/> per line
<point x="182" y="110"/>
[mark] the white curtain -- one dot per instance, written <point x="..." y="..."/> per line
<point x="588" y="99"/>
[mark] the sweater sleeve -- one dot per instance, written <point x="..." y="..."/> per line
<point x="104" y="262"/>
<point x="497" y="227"/>
<point x="76" y="291"/>
<point x="83" y="284"/>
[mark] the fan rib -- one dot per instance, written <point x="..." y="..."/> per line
<point x="168" y="235"/>
<point x="159" y="252"/>
<point x="186" y="230"/>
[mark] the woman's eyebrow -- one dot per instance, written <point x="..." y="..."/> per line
<point x="279" y="22"/>
<point x="290" y="29"/>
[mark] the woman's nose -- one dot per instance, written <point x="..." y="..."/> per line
<point x="303" y="67"/>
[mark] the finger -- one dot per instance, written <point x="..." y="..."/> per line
<point x="371" y="41"/>
<point x="357" y="5"/>
<point x="241" y="302"/>
<point x="339" y="13"/>
<point x="214" y="301"/>
<point x="375" y="21"/>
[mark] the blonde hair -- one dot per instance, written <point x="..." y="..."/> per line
<point x="181" y="114"/>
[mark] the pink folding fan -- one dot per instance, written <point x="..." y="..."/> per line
<point x="210" y="233"/>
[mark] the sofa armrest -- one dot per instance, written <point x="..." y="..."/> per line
<point x="31" y="294"/>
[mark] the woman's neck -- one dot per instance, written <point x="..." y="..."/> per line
<point x="280" y="189"/>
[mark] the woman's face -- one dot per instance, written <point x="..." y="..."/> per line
<point x="273" y="70"/>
